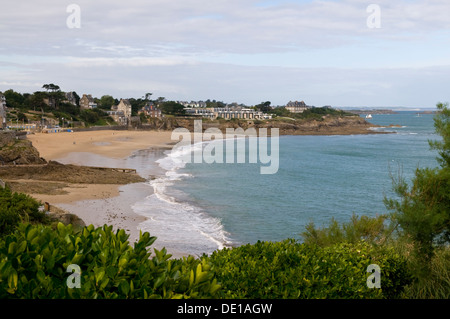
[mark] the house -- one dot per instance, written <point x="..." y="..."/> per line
<point x="70" y="98"/>
<point x="192" y="104"/>
<point x="87" y="102"/>
<point x="121" y="113"/>
<point x="123" y="106"/>
<point x="2" y="111"/>
<point x="296" y="107"/>
<point x="150" y="110"/>
<point x="227" y="113"/>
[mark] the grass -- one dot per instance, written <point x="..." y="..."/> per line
<point x="436" y="284"/>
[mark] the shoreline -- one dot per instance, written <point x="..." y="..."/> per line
<point x="111" y="204"/>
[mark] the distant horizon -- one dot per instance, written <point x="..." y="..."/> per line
<point x="343" y="107"/>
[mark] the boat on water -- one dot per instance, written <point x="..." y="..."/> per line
<point x="368" y="116"/>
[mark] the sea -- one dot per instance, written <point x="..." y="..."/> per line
<point x="201" y="207"/>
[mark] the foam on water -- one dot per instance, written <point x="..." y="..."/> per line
<point x="179" y="224"/>
<point x="198" y="208"/>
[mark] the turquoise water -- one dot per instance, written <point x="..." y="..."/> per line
<point x="319" y="177"/>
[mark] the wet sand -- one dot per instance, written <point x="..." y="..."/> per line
<point x="100" y="204"/>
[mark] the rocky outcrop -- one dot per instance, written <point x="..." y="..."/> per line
<point x="326" y="125"/>
<point x="15" y="151"/>
<point x="73" y="174"/>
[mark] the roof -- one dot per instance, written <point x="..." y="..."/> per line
<point x="126" y="102"/>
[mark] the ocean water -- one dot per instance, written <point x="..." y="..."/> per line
<point x="201" y="207"/>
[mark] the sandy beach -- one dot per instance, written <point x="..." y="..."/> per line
<point x="100" y="204"/>
<point x="113" y="144"/>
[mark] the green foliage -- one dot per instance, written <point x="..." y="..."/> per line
<point x="171" y="107"/>
<point x="436" y="285"/>
<point x="16" y="207"/>
<point x="264" y="107"/>
<point x="291" y="270"/>
<point x="14" y="99"/>
<point x="106" y="101"/>
<point x="215" y="103"/>
<point x="422" y="209"/>
<point x="318" y="112"/>
<point x="442" y="126"/>
<point x="22" y="117"/>
<point x="313" y="113"/>
<point x="373" y="230"/>
<point x="34" y="262"/>
<point x="94" y="116"/>
<point x="281" y="111"/>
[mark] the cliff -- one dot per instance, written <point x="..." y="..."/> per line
<point x="326" y="125"/>
<point x="16" y="151"/>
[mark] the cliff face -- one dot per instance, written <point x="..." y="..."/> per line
<point x="14" y="151"/>
<point x="327" y="125"/>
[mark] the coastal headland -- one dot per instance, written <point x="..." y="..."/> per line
<point x="324" y="125"/>
<point x="100" y="196"/>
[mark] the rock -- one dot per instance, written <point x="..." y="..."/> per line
<point x="14" y="151"/>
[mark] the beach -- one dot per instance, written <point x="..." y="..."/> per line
<point x="111" y="204"/>
<point x="108" y="143"/>
<point x="181" y="226"/>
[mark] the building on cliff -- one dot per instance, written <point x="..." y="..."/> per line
<point x="71" y="98"/>
<point x="87" y="102"/>
<point x="296" y="106"/>
<point x="121" y="113"/>
<point x="150" y="110"/>
<point x="228" y="113"/>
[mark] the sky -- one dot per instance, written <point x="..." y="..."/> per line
<point x="341" y="53"/>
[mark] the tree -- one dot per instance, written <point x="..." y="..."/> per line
<point x="160" y="100"/>
<point x="14" y="99"/>
<point x="423" y="209"/>
<point x="22" y="117"/>
<point x="147" y="96"/>
<point x="54" y="94"/>
<point x="106" y="101"/>
<point x="77" y="98"/>
<point x="172" y="107"/>
<point x="442" y="126"/>
<point x="264" y="107"/>
<point x="51" y="87"/>
<point x="281" y="111"/>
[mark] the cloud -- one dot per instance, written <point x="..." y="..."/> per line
<point x="217" y="26"/>
<point x="236" y="50"/>
<point x="130" y="62"/>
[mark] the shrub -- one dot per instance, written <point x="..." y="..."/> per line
<point x="374" y="230"/>
<point x="422" y="209"/>
<point x="17" y="207"/>
<point x="292" y="270"/>
<point x="34" y="262"/>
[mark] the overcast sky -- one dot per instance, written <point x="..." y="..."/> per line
<point x="339" y="53"/>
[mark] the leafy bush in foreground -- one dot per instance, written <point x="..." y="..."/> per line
<point x="34" y="263"/>
<point x="17" y="207"/>
<point x="292" y="270"/>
